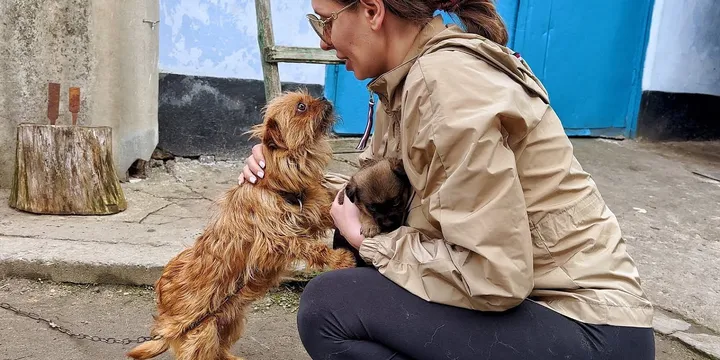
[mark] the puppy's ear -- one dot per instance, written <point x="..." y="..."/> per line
<point x="366" y="163"/>
<point x="272" y="137"/>
<point x="397" y="167"/>
<point x="351" y="191"/>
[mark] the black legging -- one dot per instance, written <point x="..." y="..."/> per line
<point x="359" y="314"/>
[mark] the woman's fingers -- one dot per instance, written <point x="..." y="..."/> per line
<point x="254" y="165"/>
<point x="258" y="155"/>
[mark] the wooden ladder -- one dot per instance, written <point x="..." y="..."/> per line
<point x="272" y="55"/>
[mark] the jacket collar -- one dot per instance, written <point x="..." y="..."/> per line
<point x="386" y="84"/>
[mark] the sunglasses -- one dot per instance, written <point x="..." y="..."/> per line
<point x="323" y="27"/>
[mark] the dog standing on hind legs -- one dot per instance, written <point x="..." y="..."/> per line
<point x="204" y="292"/>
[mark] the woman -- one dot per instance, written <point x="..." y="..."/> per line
<point x="509" y="251"/>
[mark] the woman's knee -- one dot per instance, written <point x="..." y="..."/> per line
<point x="328" y="292"/>
<point x="317" y="302"/>
<point x="312" y="299"/>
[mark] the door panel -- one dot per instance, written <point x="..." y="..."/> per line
<point x="589" y="55"/>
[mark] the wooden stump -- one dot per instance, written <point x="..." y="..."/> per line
<point x="65" y="170"/>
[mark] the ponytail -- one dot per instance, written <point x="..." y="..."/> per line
<point x="479" y="17"/>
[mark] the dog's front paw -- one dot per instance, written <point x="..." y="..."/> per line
<point x="342" y="259"/>
<point x="369" y="230"/>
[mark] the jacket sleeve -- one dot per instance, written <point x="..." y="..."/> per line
<point x="464" y="173"/>
<point x="335" y="181"/>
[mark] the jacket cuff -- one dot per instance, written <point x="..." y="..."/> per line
<point x="370" y="250"/>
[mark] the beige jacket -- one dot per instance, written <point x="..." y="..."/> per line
<point x="502" y="210"/>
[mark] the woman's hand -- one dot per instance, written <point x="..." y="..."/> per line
<point x="347" y="221"/>
<point x="254" y="165"/>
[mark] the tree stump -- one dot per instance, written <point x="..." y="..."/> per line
<point x="65" y="170"/>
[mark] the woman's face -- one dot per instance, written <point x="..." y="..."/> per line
<point x="352" y="35"/>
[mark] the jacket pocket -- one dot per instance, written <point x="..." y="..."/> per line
<point x="562" y="228"/>
<point x="561" y="236"/>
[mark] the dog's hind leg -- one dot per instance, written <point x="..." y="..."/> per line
<point x="229" y="335"/>
<point x="201" y="343"/>
<point x="227" y="355"/>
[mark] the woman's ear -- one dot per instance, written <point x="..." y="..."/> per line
<point x="374" y="12"/>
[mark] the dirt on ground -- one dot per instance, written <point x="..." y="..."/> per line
<point x="125" y="312"/>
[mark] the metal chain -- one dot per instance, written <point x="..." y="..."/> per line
<point x="347" y="162"/>
<point x="65" y="331"/>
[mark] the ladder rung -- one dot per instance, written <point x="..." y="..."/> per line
<point x="293" y="54"/>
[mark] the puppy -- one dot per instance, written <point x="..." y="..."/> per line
<point x="381" y="190"/>
<point x="204" y="292"/>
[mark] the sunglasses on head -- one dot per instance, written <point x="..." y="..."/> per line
<point x="323" y="26"/>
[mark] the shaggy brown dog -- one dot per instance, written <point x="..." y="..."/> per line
<point x="381" y="191"/>
<point x="204" y="292"/>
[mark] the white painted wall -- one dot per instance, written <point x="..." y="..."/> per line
<point x="683" y="54"/>
<point x="219" y="38"/>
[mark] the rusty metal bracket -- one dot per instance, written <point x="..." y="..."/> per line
<point x="74" y="95"/>
<point x="53" y="110"/>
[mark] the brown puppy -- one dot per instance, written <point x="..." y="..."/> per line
<point x="381" y="190"/>
<point x="204" y="292"/>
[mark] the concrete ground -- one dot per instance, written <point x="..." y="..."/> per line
<point x="663" y="194"/>
<point x="124" y="312"/>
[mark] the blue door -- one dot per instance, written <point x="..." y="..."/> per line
<point x="589" y="55"/>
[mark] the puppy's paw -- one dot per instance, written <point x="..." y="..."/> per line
<point x="341" y="259"/>
<point x="369" y="230"/>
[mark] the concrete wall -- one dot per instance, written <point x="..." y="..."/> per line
<point x="683" y="54"/>
<point x="211" y="88"/>
<point x="103" y="47"/>
<point x="681" y="80"/>
<point x="201" y="115"/>
<point x="218" y="38"/>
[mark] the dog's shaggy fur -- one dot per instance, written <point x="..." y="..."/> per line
<point x="381" y="190"/>
<point x="204" y="292"/>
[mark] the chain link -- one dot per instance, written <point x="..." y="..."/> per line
<point x="347" y="162"/>
<point x="81" y="336"/>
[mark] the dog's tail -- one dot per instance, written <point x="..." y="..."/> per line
<point x="148" y="349"/>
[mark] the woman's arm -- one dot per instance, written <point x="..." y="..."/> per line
<point x="460" y="165"/>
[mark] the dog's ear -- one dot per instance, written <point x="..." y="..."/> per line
<point x="351" y="191"/>
<point x="272" y="136"/>
<point x="366" y="163"/>
<point x="397" y="167"/>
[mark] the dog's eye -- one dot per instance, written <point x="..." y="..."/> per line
<point x="301" y="107"/>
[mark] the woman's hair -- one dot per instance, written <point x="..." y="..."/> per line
<point x="478" y="16"/>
